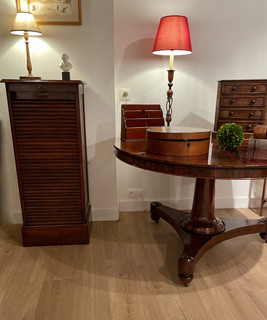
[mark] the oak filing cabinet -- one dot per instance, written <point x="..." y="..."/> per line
<point x="48" y="130"/>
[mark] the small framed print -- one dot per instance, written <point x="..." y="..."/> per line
<point x="53" y="11"/>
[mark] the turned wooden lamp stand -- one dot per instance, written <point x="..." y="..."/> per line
<point x="169" y="97"/>
<point x="29" y="64"/>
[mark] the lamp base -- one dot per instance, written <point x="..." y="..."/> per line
<point x="29" y="78"/>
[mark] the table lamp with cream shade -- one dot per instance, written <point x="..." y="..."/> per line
<point x="173" y="38"/>
<point x="26" y="25"/>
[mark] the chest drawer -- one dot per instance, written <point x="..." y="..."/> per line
<point x="251" y="88"/>
<point x="42" y="91"/>
<point x="241" y="114"/>
<point x="246" y="125"/>
<point x="247" y="101"/>
<point x="242" y="102"/>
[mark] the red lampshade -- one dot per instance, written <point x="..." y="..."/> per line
<point x="173" y="36"/>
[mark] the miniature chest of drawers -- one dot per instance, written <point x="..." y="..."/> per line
<point x="242" y="102"/>
<point x="47" y="123"/>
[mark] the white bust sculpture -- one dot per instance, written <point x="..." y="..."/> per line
<point x="65" y="64"/>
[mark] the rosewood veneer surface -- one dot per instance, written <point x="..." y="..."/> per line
<point x="200" y="229"/>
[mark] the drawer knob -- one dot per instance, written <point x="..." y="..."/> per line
<point x="231" y="113"/>
<point x="234" y="88"/>
<point x="42" y="91"/>
<point x="253" y="101"/>
<point x="251" y="114"/>
<point x="41" y="87"/>
<point x="249" y="127"/>
<point x="254" y="88"/>
<point x="233" y="101"/>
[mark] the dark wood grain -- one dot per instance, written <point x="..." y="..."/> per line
<point x="200" y="229"/>
<point x="47" y="123"/>
<point x="135" y="118"/>
<point x="243" y="102"/>
<point x="178" y="141"/>
<point x="218" y="164"/>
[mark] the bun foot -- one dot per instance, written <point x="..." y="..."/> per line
<point x="153" y="209"/>
<point x="154" y="218"/>
<point x="264" y="236"/>
<point x="186" y="280"/>
<point x="186" y="268"/>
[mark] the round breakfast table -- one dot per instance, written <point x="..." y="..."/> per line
<point x="200" y="229"/>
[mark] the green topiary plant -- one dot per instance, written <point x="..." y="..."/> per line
<point x="230" y="136"/>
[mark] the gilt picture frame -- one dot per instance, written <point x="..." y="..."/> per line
<point x="60" y="12"/>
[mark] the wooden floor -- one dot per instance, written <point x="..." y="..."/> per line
<point x="128" y="271"/>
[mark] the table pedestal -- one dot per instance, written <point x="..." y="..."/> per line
<point x="201" y="230"/>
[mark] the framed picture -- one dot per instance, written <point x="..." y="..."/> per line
<point x="53" y="11"/>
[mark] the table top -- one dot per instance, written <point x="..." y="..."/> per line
<point x="217" y="164"/>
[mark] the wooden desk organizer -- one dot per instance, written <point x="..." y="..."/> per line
<point x="136" y="118"/>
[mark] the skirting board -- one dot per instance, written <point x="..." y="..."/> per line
<point x="125" y="205"/>
<point x="97" y="215"/>
<point x="105" y="214"/>
<point x="186" y="204"/>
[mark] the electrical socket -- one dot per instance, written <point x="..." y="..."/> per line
<point x="125" y="94"/>
<point x="136" y="194"/>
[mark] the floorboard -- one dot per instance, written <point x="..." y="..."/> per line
<point x="129" y="271"/>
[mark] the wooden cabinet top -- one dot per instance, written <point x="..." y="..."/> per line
<point x="245" y="80"/>
<point x="43" y="81"/>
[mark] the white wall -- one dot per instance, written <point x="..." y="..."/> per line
<point x="228" y="43"/>
<point x="91" y="52"/>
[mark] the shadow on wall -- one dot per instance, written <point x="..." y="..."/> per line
<point x="255" y="193"/>
<point x="102" y="176"/>
<point x="193" y="120"/>
<point x="99" y="154"/>
<point x="140" y="50"/>
<point x="99" y="108"/>
<point x="135" y="60"/>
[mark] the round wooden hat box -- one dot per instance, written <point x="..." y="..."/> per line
<point x="178" y="141"/>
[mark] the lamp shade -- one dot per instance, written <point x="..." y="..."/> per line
<point x="173" y="36"/>
<point x="25" y="22"/>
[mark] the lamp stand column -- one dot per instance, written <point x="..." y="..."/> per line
<point x="169" y="97"/>
<point x="29" y="64"/>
